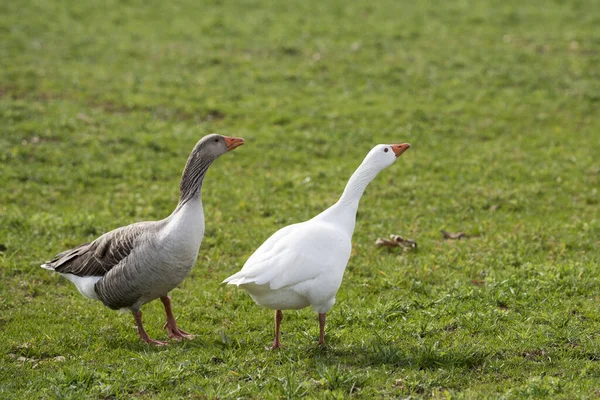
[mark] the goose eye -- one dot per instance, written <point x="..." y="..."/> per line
<point x="217" y="139"/>
<point x="386" y="149"/>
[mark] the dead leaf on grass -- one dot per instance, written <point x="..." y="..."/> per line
<point x="84" y="118"/>
<point x="534" y="354"/>
<point x="454" y="235"/>
<point x="396" y="241"/>
<point x="24" y="359"/>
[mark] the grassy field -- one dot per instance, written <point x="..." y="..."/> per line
<point x="101" y="102"/>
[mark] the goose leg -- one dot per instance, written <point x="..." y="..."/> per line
<point x="137" y="315"/>
<point x="322" y="318"/>
<point x="278" y="318"/>
<point x="171" y="325"/>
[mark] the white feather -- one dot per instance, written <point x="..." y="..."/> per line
<point x="300" y="265"/>
<point x="85" y="284"/>
<point x="303" y="264"/>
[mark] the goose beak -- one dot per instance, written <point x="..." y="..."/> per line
<point x="400" y="148"/>
<point x="233" y="142"/>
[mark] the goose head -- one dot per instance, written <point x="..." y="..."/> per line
<point x="210" y="147"/>
<point x="207" y="150"/>
<point x="384" y="155"/>
<point x="214" y="145"/>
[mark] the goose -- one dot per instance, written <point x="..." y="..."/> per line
<point x="303" y="264"/>
<point x="135" y="264"/>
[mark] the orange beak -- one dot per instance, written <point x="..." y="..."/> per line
<point x="400" y="148"/>
<point x="233" y="142"/>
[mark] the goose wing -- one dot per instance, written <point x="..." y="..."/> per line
<point x="295" y="254"/>
<point x="100" y="256"/>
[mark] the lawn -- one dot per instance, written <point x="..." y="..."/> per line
<point x="101" y="103"/>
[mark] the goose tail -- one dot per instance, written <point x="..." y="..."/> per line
<point x="236" y="279"/>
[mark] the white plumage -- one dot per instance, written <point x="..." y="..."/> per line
<point x="303" y="264"/>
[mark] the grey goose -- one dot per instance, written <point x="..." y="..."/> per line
<point x="135" y="264"/>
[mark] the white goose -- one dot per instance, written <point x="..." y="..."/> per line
<point x="303" y="264"/>
<point x="135" y="264"/>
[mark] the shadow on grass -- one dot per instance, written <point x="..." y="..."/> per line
<point x="136" y="345"/>
<point x="422" y="357"/>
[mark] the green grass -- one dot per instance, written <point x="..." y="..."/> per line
<point x="101" y="102"/>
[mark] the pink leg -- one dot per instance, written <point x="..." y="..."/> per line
<point x="143" y="335"/>
<point x="171" y="326"/>
<point x="322" y="318"/>
<point x="278" y="318"/>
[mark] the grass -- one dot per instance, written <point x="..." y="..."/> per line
<point x="101" y="102"/>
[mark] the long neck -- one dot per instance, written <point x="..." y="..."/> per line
<point x="193" y="176"/>
<point x="356" y="186"/>
<point x="344" y="211"/>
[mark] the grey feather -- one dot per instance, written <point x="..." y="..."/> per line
<point x="101" y="255"/>
<point x="143" y="261"/>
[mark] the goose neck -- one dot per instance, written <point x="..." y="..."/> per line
<point x="343" y="213"/>
<point x="193" y="177"/>
<point x="356" y="186"/>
